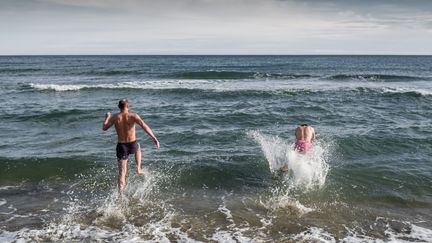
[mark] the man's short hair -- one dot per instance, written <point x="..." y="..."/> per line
<point x="123" y="103"/>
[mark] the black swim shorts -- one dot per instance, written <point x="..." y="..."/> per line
<point x="124" y="149"/>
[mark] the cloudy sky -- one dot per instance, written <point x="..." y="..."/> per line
<point x="215" y="27"/>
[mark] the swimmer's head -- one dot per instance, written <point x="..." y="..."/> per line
<point x="123" y="104"/>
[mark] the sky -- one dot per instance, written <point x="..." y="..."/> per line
<point x="284" y="27"/>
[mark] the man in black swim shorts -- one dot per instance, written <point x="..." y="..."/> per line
<point x="124" y="122"/>
<point x="124" y="149"/>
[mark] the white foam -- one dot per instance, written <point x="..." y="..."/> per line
<point x="110" y="225"/>
<point x="232" y="233"/>
<point x="224" y="210"/>
<point x="410" y="233"/>
<point x="112" y="212"/>
<point x="161" y="231"/>
<point x="416" y="233"/>
<point x="283" y="198"/>
<point x="58" y="87"/>
<point x="314" y="234"/>
<point x="151" y="84"/>
<point x="228" y="236"/>
<point x="164" y="230"/>
<point x="65" y="233"/>
<point x="403" y="90"/>
<point x="7" y="187"/>
<point x="115" y="208"/>
<point x="419" y="87"/>
<point x="2" y="202"/>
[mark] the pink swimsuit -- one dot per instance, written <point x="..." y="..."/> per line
<point x="302" y="145"/>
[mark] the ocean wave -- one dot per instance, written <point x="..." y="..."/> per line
<point x="213" y="74"/>
<point x="168" y="84"/>
<point x="416" y="92"/>
<point x="150" y="212"/>
<point x="168" y="229"/>
<point x="394" y="91"/>
<point x="35" y="169"/>
<point x="376" y="77"/>
<point x="112" y="72"/>
<point x="74" y="71"/>
<point x="67" y="87"/>
<point x="411" y="233"/>
<point x="19" y="70"/>
<point x="262" y="88"/>
<point x="171" y="86"/>
<point x="48" y="116"/>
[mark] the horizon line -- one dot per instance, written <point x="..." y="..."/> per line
<point x="203" y="54"/>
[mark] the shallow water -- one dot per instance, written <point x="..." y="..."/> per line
<point x="226" y="125"/>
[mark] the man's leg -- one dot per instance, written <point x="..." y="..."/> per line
<point x="138" y="160"/>
<point x="122" y="175"/>
<point x="285" y="168"/>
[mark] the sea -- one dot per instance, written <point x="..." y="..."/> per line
<point x="226" y="125"/>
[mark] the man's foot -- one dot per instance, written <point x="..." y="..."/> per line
<point x="140" y="171"/>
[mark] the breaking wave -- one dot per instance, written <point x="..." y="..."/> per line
<point x="377" y="77"/>
<point x="214" y="74"/>
<point x="227" y="86"/>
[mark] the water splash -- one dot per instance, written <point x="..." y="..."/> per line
<point x="118" y="209"/>
<point x="305" y="170"/>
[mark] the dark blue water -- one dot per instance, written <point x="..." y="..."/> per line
<point x="226" y="124"/>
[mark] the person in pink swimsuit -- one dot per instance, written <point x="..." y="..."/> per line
<point x="304" y="136"/>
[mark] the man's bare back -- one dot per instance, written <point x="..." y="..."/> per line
<point x="125" y="126"/>
<point x="304" y="136"/>
<point x="305" y="132"/>
<point x="124" y="123"/>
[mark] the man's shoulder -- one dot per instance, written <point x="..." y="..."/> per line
<point x="116" y="115"/>
<point x="134" y="115"/>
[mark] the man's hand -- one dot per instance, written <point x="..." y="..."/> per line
<point x="156" y="142"/>
<point x="107" y="123"/>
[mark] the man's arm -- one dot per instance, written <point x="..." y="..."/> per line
<point x="146" y="129"/>
<point x="108" y="121"/>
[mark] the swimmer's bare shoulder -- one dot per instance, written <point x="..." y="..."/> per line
<point x="134" y="117"/>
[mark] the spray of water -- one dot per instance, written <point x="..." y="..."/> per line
<point x="306" y="170"/>
<point x="117" y="209"/>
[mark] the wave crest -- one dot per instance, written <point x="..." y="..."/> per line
<point x="216" y="74"/>
<point x="229" y="86"/>
<point x="376" y="77"/>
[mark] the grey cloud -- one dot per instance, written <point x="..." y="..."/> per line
<point x="41" y="5"/>
<point x="216" y="26"/>
<point x="376" y="14"/>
